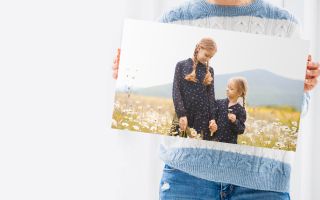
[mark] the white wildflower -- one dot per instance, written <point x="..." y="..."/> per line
<point x="124" y="124"/>
<point x="114" y="123"/>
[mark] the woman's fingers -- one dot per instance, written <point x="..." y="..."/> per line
<point x="115" y="73"/>
<point x="309" y="57"/>
<point x="311" y="82"/>
<point x="312" y="65"/>
<point x="313" y="73"/>
<point x="118" y="52"/>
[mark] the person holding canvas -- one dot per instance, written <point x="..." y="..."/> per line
<point x="222" y="173"/>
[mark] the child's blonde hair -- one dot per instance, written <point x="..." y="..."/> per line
<point x="209" y="45"/>
<point x="241" y="87"/>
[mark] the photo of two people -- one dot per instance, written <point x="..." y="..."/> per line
<point x="212" y="85"/>
<point x="197" y="113"/>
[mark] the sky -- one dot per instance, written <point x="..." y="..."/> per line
<point x="150" y="51"/>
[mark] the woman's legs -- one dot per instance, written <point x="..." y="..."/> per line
<point x="241" y="193"/>
<point x="177" y="185"/>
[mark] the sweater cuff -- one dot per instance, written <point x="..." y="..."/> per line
<point x="305" y="104"/>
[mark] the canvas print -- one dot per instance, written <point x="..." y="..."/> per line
<point x="213" y="85"/>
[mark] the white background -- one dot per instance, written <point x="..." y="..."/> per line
<point x="56" y="102"/>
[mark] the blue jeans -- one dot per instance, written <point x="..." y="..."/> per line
<point x="178" y="185"/>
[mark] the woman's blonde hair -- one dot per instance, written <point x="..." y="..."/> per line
<point x="241" y="84"/>
<point x="209" y="45"/>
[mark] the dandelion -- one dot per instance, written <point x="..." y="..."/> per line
<point x="124" y="124"/>
<point x="268" y="142"/>
<point x="198" y="137"/>
<point x="114" y="123"/>
<point x="193" y="132"/>
<point x="137" y="128"/>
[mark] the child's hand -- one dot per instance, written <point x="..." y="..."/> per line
<point x="312" y="75"/>
<point x="115" y="66"/>
<point x="213" y="126"/>
<point x="183" y="123"/>
<point x="232" y="117"/>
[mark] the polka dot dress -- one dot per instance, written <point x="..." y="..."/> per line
<point x="196" y="101"/>
<point x="228" y="131"/>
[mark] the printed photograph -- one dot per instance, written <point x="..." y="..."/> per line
<point x="213" y="85"/>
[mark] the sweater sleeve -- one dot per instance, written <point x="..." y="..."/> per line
<point x="305" y="104"/>
<point x="177" y="13"/>
<point x="296" y="33"/>
<point x="239" y="125"/>
<point x="176" y="93"/>
<point x="171" y="15"/>
<point x="212" y="97"/>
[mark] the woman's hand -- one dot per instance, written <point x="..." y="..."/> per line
<point x="213" y="126"/>
<point x="115" y="66"/>
<point x="183" y="123"/>
<point x="313" y="72"/>
<point x="232" y="117"/>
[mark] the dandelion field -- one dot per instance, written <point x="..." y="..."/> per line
<point x="142" y="114"/>
<point x="269" y="127"/>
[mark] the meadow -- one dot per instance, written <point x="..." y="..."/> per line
<point x="269" y="127"/>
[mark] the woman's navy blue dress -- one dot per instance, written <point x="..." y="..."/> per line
<point x="196" y="101"/>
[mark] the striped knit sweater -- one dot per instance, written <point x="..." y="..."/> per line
<point x="246" y="166"/>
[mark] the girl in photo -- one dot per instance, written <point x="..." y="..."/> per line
<point x="230" y="115"/>
<point x="193" y="90"/>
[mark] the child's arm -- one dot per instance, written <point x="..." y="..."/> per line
<point x="212" y="98"/>
<point x="176" y="94"/>
<point x="238" y="126"/>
